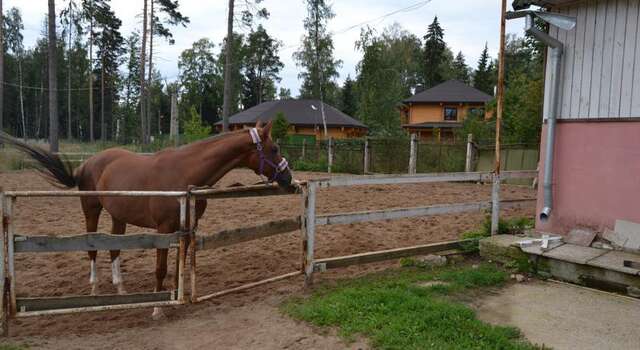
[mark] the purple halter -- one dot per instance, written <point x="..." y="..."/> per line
<point x="278" y="168"/>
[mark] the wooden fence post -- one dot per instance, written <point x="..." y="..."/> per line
<point x="174" y="128"/>
<point x="308" y="232"/>
<point x="367" y="156"/>
<point x="413" y="154"/>
<point x="304" y="148"/>
<point x="330" y="154"/>
<point x="181" y="256"/>
<point x="495" y="204"/>
<point x="193" y="245"/>
<point x="4" y="319"/>
<point x="11" y="272"/>
<point x="469" y="159"/>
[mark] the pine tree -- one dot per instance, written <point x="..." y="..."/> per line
<point x="483" y="76"/>
<point x="434" y="54"/>
<point x="348" y="100"/>
<point x="53" y="82"/>
<point x="460" y="68"/>
<point x="261" y="68"/>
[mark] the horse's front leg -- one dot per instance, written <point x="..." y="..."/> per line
<point x="161" y="273"/>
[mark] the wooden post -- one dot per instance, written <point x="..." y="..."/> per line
<point x="469" y="159"/>
<point x="330" y="154"/>
<point x="174" y="128"/>
<point x="367" y="156"/>
<point x="193" y="245"/>
<point x="413" y="154"/>
<point x="308" y="232"/>
<point x="495" y="208"/>
<point x="11" y="272"/>
<point x="304" y="149"/>
<point x="4" y="319"/>
<point x="181" y="256"/>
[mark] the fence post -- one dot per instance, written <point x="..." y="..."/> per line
<point x="413" y="154"/>
<point x="495" y="204"/>
<point x="181" y="256"/>
<point x="174" y="128"/>
<point x="308" y="232"/>
<point x="469" y="158"/>
<point x="330" y="154"/>
<point x="193" y="244"/>
<point x="367" y="156"/>
<point x="4" y="319"/>
<point x="304" y="148"/>
<point x="11" y="272"/>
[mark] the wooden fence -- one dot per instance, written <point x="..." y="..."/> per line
<point x="13" y="242"/>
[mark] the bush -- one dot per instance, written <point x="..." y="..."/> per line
<point x="194" y="128"/>
<point x="280" y="128"/>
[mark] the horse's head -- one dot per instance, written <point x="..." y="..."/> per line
<point x="266" y="159"/>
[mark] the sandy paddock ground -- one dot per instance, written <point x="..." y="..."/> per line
<point x="68" y="273"/>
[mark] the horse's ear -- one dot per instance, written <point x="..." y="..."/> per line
<point x="259" y="123"/>
<point x="266" y="130"/>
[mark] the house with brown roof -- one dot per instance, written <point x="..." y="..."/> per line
<point x="435" y="113"/>
<point x="304" y="117"/>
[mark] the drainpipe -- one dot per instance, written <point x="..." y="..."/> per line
<point x="556" y="62"/>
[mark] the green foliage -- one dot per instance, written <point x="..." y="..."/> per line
<point x="319" y="68"/>
<point x="484" y="76"/>
<point x="510" y="226"/>
<point x="13" y="347"/>
<point x="262" y="66"/>
<point x="201" y="80"/>
<point x="434" y="54"/>
<point x="280" y="127"/>
<point x="194" y="128"/>
<point x="460" y="69"/>
<point x="348" y="98"/>
<point x="394" y="312"/>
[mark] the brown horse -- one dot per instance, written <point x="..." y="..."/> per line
<point x="200" y="163"/>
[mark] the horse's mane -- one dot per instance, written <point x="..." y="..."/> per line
<point x="215" y="138"/>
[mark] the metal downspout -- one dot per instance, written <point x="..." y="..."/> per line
<point x="556" y="62"/>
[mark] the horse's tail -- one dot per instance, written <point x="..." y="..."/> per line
<point x="57" y="171"/>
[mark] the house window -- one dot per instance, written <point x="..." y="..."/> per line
<point x="450" y="114"/>
<point x="477" y="112"/>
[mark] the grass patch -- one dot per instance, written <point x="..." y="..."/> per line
<point x="394" y="312"/>
<point x="12" y="347"/>
<point x="511" y="226"/>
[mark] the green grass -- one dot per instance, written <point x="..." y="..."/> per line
<point x="12" y="347"/>
<point x="394" y="312"/>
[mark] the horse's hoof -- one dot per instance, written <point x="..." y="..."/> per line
<point x="157" y="314"/>
<point x="121" y="289"/>
<point x="94" y="289"/>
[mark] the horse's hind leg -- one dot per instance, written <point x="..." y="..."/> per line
<point x="118" y="228"/>
<point x="91" y="208"/>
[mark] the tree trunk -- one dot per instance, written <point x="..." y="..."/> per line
<point x="148" y="97"/>
<point x="143" y="91"/>
<point x="24" y="123"/>
<point x="53" y="84"/>
<point x="91" y="137"/>
<point x="69" y="76"/>
<point x="103" y="134"/>
<point x="226" y="104"/>
<point x="1" y="67"/>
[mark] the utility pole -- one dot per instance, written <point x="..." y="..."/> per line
<point x="495" y="193"/>
<point x="226" y="102"/>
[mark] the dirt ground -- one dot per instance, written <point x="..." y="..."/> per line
<point x="564" y="316"/>
<point x="68" y="273"/>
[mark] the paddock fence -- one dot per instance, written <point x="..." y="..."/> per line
<point x="188" y="241"/>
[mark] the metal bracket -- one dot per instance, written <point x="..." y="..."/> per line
<point x="320" y="267"/>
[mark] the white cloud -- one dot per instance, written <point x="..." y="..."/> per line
<point x="468" y="24"/>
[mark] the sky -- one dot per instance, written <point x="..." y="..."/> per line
<point x="467" y="24"/>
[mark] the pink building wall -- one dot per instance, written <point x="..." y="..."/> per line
<point x="596" y="175"/>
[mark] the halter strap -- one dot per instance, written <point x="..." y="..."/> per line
<point x="278" y="168"/>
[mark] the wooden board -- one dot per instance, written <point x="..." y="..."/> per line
<point x="244" y="191"/>
<point x="92" y="241"/>
<point x="239" y="235"/>
<point x="78" y="301"/>
<point x="365" y="258"/>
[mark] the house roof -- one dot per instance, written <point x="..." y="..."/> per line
<point x="523" y="4"/>
<point x="450" y="91"/>
<point x="297" y="112"/>
<point x="432" y="125"/>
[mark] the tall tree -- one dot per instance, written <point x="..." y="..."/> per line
<point x="483" y="76"/>
<point x="128" y="120"/>
<point x="1" y="68"/>
<point x="261" y="67"/>
<point x="434" y="54"/>
<point x="53" y="81"/>
<point x="144" y="137"/>
<point x="247" y="17"/>
<point x="460" y="68"/>
<point x="284" y="94"/>
<point x="88" y="7"/>
<point x="201" y="79"/>
<point x="70" y="19"/>
<point x="315" y="57"/>
<point x="13" y="28"/>
<point x="348" y="100"/>
<point x="165" y="14"/>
